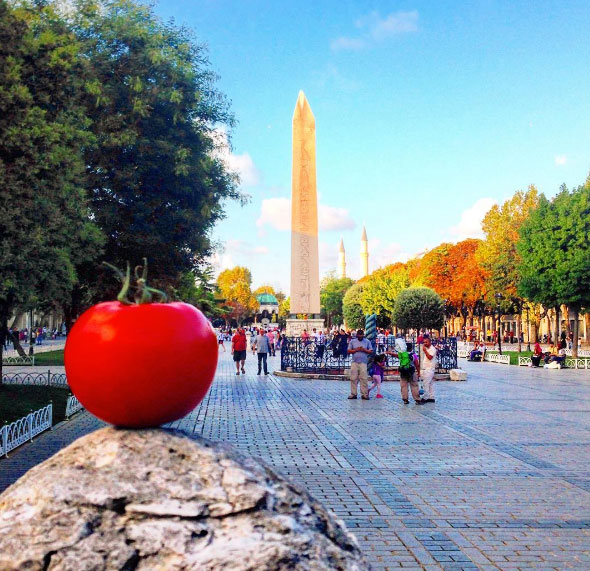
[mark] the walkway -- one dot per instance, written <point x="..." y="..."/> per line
<point x="493" y="476"/>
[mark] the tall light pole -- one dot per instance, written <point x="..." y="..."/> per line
<point x="528" y="329"/>
<point x="499" y="298"/>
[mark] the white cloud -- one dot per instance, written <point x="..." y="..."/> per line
<point x="560" y="160"/>
<point x="390" y="254"/>
<point x="347" y="44"/>
<point x="470" y="224"/>
<point x="236" y="253"/>
<point x="276" y="212"/>
<point x="241" y="164"/>
<point x="334" y="218"/>
<point x="376" y="29"/>
<point x="221" y="261"/>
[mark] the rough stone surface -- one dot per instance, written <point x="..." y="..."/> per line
<point x="458" y="375"/>
<point x="157" y="499"/>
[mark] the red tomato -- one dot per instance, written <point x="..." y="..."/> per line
<point x="141" y="365"/>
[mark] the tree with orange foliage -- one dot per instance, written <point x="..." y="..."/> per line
<point x="454" y="272"/>
<point x="234" y="285"/>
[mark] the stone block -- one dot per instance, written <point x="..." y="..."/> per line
<point x="458" y="375"/>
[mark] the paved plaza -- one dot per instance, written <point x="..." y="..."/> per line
<point x="494" y="475"/>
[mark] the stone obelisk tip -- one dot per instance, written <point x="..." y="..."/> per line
<point x="305" y="282"/>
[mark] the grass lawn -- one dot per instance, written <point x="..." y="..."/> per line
<point x="50" y="358"/>
<point x="514" y="355"/>
<point x="17" y="401"/>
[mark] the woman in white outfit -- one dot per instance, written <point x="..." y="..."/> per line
<point x="427" y="368"/>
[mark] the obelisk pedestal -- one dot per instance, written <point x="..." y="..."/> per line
<point x="305" y="279"/>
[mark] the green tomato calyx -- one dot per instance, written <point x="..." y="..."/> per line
<point x="143" y="293"/>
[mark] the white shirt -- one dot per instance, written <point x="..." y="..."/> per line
<point x="428" y="363"/>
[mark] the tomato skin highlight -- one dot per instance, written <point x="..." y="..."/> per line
<point x="143" y="365"/>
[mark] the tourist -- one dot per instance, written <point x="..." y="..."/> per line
<point x="427" y="368"/>
<point x="381" y="341"/>
<point x="320" y="344"/>
<point x="343" y="340"/>
<point x="377" y="372"/>
<point x="537" y="354"/>
<point x="220" y="337"/>
<point x="262" y="348"/>
<point x="475" y="354"/>
<point x="271" y="342"/>
<point x="552" y="354"/>
<point x="360" y="349"/>
<point x="305" y="337"/>
<point x="409" y="365"/>
<point x="239" y="345"/>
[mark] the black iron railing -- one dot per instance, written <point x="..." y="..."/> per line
<point x="309" y="356"/>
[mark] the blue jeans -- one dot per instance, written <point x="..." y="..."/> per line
<point x="262" y="360"/>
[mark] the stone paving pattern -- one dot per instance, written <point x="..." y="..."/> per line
<point x="494" y="475"/>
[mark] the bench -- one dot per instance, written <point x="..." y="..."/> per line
<point x="497" y="358"/>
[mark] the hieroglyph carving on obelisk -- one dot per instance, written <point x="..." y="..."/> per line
<point x="305" y="279"/>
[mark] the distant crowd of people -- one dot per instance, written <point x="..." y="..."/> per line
<point x="37" y="335"/>
<point x="263" y="342"/>
<point x="367" y="362"/>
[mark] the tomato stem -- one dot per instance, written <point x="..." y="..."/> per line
<point x="144" y="293"/>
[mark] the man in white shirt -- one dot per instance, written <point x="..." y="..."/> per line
<point x="427" y="368"/>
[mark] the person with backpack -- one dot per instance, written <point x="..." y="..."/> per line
<point x="409" y="370"/>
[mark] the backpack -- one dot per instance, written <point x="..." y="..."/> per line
<point x="406" y="364"/>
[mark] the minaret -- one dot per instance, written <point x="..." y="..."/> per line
<point x="364" y="254"/>
<point x="341" y="260"/>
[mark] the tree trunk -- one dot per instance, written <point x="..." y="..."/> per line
<point x="519" y="328"/>
<point x="586" y="327"/>
<point x="574" y="315"/>
<point x="557" y="328"/>
<point x="3" y="332"/>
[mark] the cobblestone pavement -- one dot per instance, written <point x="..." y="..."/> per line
<point x="494" y="475"/>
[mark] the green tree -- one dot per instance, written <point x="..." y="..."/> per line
<point x="352" y="310"/>
<point x="498" y="254"/>
<point x="381" y="289"/>
<point x="43" y="208"/>
<point x="554" y="250"/>
<point x="156" y="175"/>
<point x="419" y="307"/>
<point x="332" y="291"/>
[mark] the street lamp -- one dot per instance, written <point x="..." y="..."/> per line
<point x="528" y="329"/>
<point x="31" y="333"/>
<point x="499" y="298"/>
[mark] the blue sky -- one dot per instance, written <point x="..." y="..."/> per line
<point x="427" y="112"/>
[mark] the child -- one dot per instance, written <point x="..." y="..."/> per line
<point x="377" y="372"/>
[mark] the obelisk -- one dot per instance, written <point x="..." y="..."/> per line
<point x="305" y="279"/>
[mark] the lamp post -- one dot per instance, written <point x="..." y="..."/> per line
<point x="31" y="333"/>
<point x="499" y="298"/>
<point x="528" y="329"/>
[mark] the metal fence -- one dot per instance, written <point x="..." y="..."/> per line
<point x="23" y="430"/>
<point x="73" y="405"/>
<point x="309" y="356"/>
<point x="47" y="379"/>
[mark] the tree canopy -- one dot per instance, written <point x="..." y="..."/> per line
<point x="332" y="291"/>
<point x="352" y="310"/>
<point x="43" y="207"/>
<point x="234" y="286"/>
<point x="419" y="307"/>
<point x="554" y="252"/>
